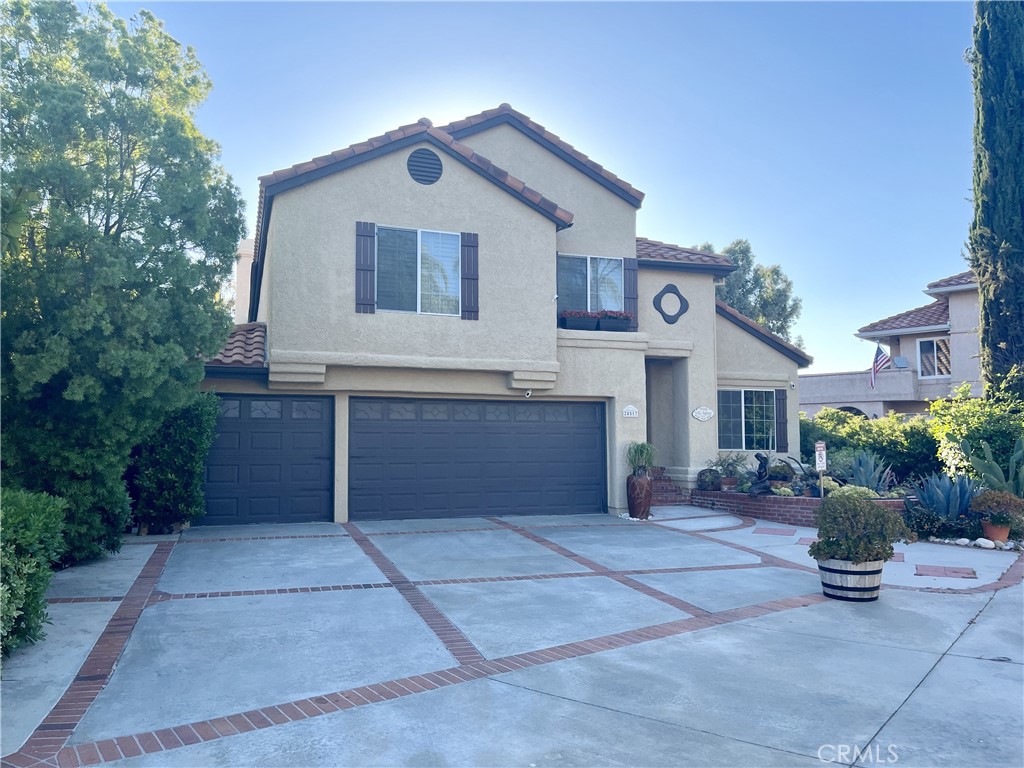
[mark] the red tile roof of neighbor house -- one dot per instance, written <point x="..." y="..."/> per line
<point x="467" y="124"/>
<point x="653" y="249"/>
<point x="934" y="314"/>
<point x="246" y="347"/>
<point x="963" y="280"/>
<point x="791" y="351"/>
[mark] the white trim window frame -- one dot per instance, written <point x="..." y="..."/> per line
<point x="729" y="418"/>
<point x="457" y="312"/>
<point x="590" y="278"/>
<point x="935" y="358"/>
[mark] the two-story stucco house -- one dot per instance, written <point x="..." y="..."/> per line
<point x="402" y="355"/>
<point x="934" y="349"/>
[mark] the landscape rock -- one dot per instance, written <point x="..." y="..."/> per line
<point x="985" y="543"/>
<point x="963" y="542"/>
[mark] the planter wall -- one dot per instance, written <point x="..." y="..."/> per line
<point x="791" y="510"/>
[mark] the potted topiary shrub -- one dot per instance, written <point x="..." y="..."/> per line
<point x="610" y="320"/>
<point x="855" y="538"/>
<point x="638" y="484"/>
<point x="578" y="320"/>
<point x="998" y="510"/>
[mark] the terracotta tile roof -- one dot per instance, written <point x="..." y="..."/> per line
<point x="962" y="280"/>
<point x="936" y="313"/>
<point x="468" y="124"/>
<point x="653" y="249"/>
<point x="246" y="347"/>
<point x="778" y="343"/>
<point x="343" y="158"/>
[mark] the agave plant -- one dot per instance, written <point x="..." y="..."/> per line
<point x="868" y="471"/>
<point x="991" y="473"/>
<point x="945" y="496"/>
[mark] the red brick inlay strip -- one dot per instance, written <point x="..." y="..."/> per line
<point x="64" y="600"/>
<point x="457" y="644"/>
<point x="601" y="570"/>
<point x="160" y="597"/>
<point x="67" y="713"/>
<point x="776" y="531"/>
<point x="945" y="571"/>
<point x="315" y="706"/>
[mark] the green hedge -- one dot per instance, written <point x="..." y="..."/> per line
<point x="32" y="526"/>
<point x="999" y="421"/>
<point x="166" y="478"/>
<point x="906" y="444"/>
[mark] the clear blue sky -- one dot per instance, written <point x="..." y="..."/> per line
<point x="836" y="137"/>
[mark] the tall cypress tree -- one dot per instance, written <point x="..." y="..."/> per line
<point x="997" y="234"/>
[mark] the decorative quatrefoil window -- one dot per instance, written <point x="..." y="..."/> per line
<point x="671" y="309"/>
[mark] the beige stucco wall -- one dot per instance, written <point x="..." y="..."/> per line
<point x="603" y="225"/>
<point x="311" y="251"/>
<point x="964" y="342"/>
<point x="746" y="362"/>
<point x="241" y="280"/>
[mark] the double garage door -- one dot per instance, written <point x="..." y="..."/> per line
<point x="408" y="458"/>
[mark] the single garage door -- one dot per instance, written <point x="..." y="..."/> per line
<point x="452" y="458"/>
<point x="272" y="461"/>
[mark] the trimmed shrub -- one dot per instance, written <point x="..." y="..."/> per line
<point x="166" y="480"/>
<point x="998" y="421"/>
<point x="857" y="530"/>
<point x="998" y="507"/>
<point x="856" y="491"/>
<point x="32" y="541"/>
<point x="906" y="444"/>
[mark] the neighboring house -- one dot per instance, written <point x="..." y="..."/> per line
<point x="402" y="355"/>
<point x="934" y="350"/>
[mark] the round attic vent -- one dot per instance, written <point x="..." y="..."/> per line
<point x="424" y="166"/>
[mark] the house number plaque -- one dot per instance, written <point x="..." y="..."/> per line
<point x="703" y="413"/>
<point x="631" y="412"/>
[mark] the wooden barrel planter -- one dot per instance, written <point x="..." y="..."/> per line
<point x="853" y="582"/>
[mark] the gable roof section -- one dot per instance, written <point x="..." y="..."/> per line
<point x="505" y="115"/>
<point x="965" y="281"/>
<point x="244" y="354"/>
<point x="932" y="317"/>
<point x="657" y="255"/>
<point x="758" y="331"/>
<point x="342" y="159"/>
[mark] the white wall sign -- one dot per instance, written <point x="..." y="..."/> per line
<point x="820" y="457"/>
<point x="703" y="413"/>
<point x="631" y="412"/>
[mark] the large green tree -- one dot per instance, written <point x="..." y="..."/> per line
<point x="997" y="234"/>
<point x="119" y="229"/>
<point x="762" y="293"/>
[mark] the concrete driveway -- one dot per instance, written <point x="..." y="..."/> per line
<point x="697" y="639"/>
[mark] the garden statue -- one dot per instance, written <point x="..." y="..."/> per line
<point x="761" y="486"/>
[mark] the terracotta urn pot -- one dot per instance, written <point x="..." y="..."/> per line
<point x="994" y="532"/>
<point x="638" y="496"/>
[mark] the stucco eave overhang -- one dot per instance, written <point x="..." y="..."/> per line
<point x="802" y="360"/>
<point x="886" y="334"/>
<point x="678" y="266"/>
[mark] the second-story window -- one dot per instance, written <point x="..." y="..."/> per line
<point x="933" y="357"/>
<point x="418" y="270"/>
<point x="589" y="283"/>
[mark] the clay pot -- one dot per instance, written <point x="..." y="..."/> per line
<point x="638" y="496"/>
<point x="993" y="532"/>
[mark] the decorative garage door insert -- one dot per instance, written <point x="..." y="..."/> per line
<point x="451" y="458"/>
<point x="272" y="461"/>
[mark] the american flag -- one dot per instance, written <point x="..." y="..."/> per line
<point x="880" y="363"/>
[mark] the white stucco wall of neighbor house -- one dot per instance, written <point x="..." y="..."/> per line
<point x="603" y="224"/>
<point x="746" y="362"/>
<point x="964" y="342"/>
<point x="243" y="264"/>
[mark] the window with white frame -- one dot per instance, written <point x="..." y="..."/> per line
<point x="746" y="419"/>
<point x="418" y="270"/>
<point x="933" y="358"/>
<point x="589" y="283"/>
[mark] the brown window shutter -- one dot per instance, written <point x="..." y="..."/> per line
<point x="366" y="262"/>
<point x="470" y="276"/>
<point x="781" y="422"/>
<point x="631" y="292"/>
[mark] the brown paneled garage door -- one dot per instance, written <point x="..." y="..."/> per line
<point x="461" y="458"/>
<point x="272" y="461"/>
